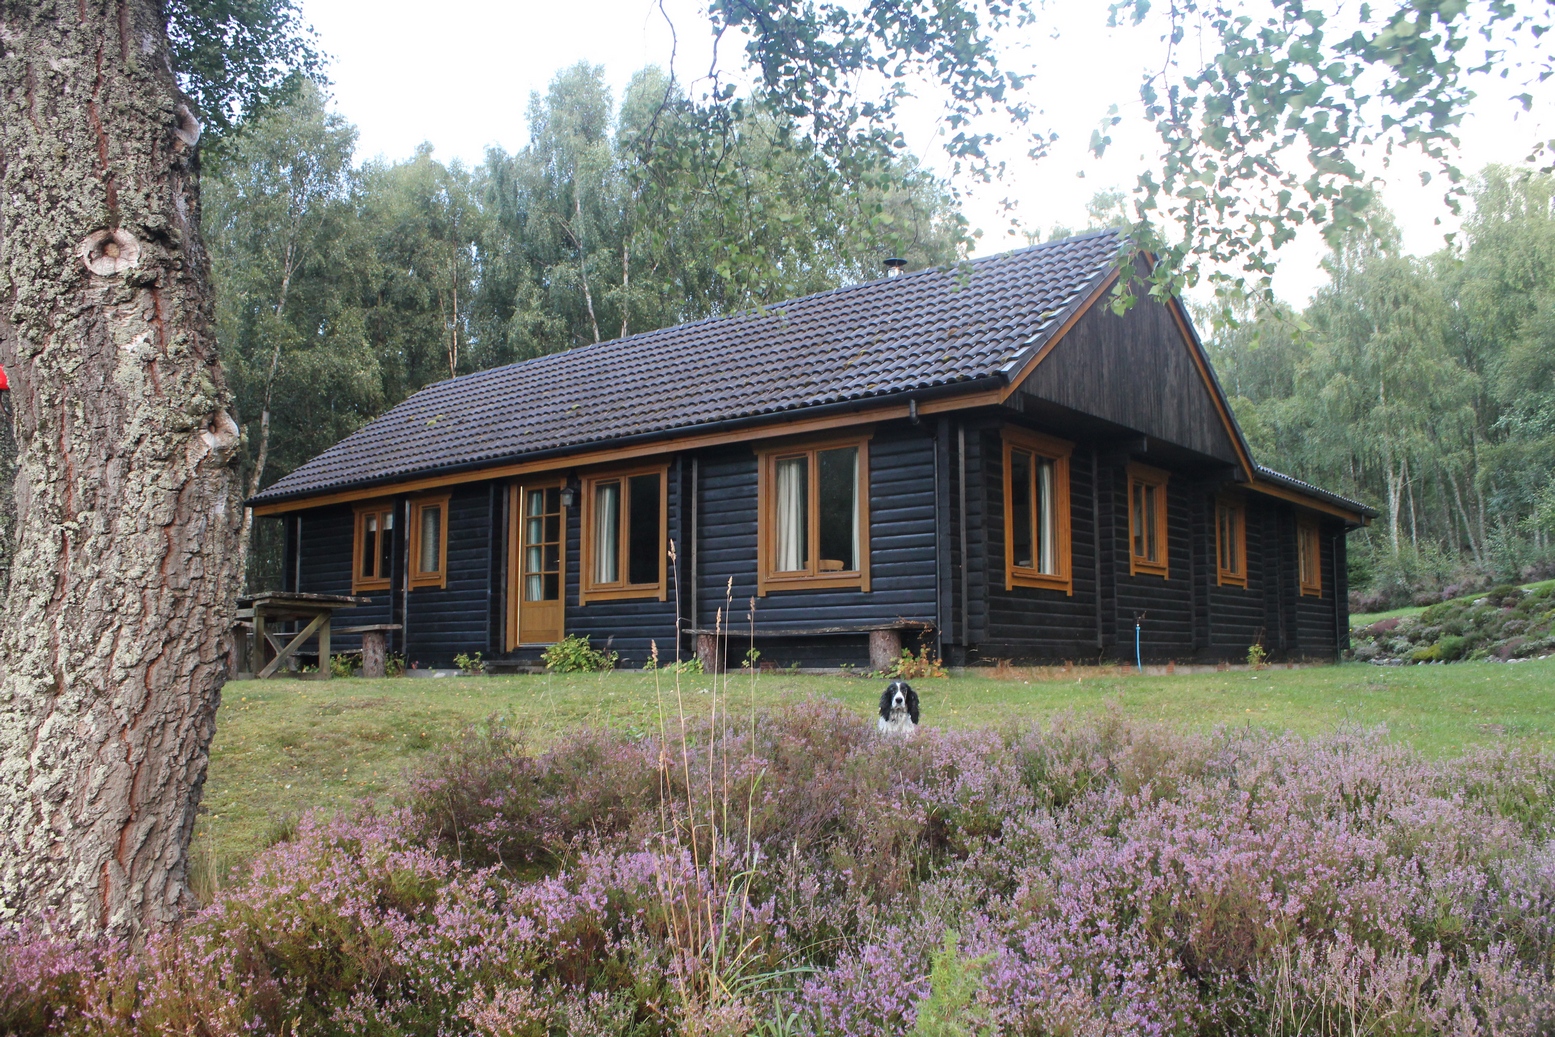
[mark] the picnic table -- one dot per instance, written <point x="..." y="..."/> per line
<point x="311" y="612"/>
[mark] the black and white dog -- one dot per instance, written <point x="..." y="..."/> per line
<point x="898" y="710"/>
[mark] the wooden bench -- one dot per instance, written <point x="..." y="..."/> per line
<point x="375" y="646"/>
<point x="885" y="640"/>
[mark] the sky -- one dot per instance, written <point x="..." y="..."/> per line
<point x="458" y="74"/>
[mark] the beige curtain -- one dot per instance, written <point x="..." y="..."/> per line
<point x="1047" y="521"/>
<point x="791" y="515"/>
<point x="607" y="532"/>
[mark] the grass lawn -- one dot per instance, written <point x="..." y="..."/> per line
<point x="1366" y="619"/>
<point x="283" y="746"/>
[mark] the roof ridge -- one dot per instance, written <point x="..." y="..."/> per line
<point x="764" y="309"/>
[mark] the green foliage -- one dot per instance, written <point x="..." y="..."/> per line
<point x="344" y="664"/>
<point x="235" y="58"/>
<point x="912" y="667"/>
<point x="394" y="665"/>
<point x="951" y="1009"/>
<point x="1421" y="385"/>
<point x="1256" y="654"/>
<point x="574" y="654"/>
<point x="473" y="665"/>
<point x="1261" y="119"/>
<point x="686" y="666"/>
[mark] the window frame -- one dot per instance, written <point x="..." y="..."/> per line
<point x="360" y="512"/>
<point x="1145" y="475"/>
<point x="1057" y="451"/>
<point x="1236" y="577"/>
<point x="415" y="576"/>
<point x="621" y="590"/>
<point x="767" y="457"/>
<point x="1307" y="528"/>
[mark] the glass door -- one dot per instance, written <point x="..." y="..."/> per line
<point x="536" y="578"/>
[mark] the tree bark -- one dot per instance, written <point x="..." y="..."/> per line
<point x="120" y="604"/>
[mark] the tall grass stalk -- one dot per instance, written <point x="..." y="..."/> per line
<point x="715" y="954"/>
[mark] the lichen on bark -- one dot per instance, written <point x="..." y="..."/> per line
<point x="127" y="499"/>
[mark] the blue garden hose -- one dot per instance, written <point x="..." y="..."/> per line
<point x="1139" y="663"/>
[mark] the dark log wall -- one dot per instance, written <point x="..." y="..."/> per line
<point x="443" y="622"/>
<point x="325" y="568"/>
<point x="902" y="548"/>
<point x="1237" y="616"/>
<point x="1027" y="621"/>
<point x="1135" y="371"/>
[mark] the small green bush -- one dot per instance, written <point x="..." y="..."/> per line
<point x="1449" y="648"/>
<point x="473" y="665"/>
<point x="575" y="655"/>
<point x="344" y="664"/>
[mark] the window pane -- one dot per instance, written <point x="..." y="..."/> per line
<point x="1047" y="519"/>
<point x="1222" y="522"/>
<point x="791" y="519"/>
<point x="839" y="533"/>
<point x="642" y="555"/>
<point x="1152" y="506"/>
<point x="1233" y="534"/>
<point x="553" y="499"/>
<point x="535" y="504"/>
<point x="1139" y="520"/>
<point x="386" y="545"/>
<point x="1021" y="540"/>
<point x="369" y="545"/>
<point x="553" y="586"/>
<point x="607" y="532"/>
<point x="431" y="540"/>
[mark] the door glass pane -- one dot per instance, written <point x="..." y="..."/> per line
<point x="792" y="515"/>
<point x="643" y="522"/>
<point x="1020" y="510"/>
<point x="607" y="532"/>
<point x="386" y="545"/>
<point x="369" y="545"/>
<point x="431" y="540"/>
<point x="837" y="478"/>
<point x="541" y="555"/>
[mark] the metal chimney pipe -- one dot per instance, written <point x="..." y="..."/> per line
<point x="894" y="266"/>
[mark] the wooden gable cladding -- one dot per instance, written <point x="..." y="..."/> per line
<point x="1139" y="372"/>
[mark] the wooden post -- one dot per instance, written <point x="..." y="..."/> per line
<point x="708" y="653"/>
<point x="257" y="660"/>
<point x="885" y="649"/>
<point x="325" y="672"/>
<point x="375" y="650"/>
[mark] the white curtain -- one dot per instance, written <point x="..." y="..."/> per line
<point x="1047" y="520"/>
<point x="853" y="496"/>
<point x="607" y="532"/>
<point x="791" y="517"/>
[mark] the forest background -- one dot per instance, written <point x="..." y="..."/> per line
<point x="1424" y="385"/>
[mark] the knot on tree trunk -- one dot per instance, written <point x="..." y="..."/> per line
<point x="187" y="128"/>
<point x="219" y="440"/>
<point x="109" y="252"/>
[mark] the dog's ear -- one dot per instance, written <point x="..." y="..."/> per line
<point x="912" y="702"/>
<point x="885" y="703"/>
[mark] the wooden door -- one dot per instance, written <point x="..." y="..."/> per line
<point x="537" y="573"/>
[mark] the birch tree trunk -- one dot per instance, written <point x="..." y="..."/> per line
<point x="115" y="623"/>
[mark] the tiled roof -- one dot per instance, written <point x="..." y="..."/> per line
<point x="1302" y="486"/>
<point x="920" y="332"/>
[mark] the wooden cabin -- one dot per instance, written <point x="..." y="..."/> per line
<point x="985" y="460"/>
